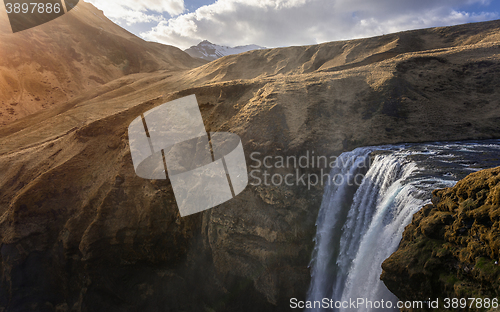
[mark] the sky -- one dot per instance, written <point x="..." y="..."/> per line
<point x="279" y="23"/>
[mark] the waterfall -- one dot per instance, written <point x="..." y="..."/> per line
<point x="332" y="214"/>
<point x="369" y="201"/>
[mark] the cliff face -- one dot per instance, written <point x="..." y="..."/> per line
<point x="450" y="248"/>
<point x="79" y="230"/>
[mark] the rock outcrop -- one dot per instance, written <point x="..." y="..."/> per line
<point x="452" y="246"/>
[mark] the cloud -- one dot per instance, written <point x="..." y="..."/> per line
<point x="274" y="23"/>
<point x="139" y="11"/>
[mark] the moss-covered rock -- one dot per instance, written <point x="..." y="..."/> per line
<point x="450" y="248"/>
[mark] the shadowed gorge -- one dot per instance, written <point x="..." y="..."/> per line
<point x="81" y="232"/>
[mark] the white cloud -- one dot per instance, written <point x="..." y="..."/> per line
<point x="138" y="11"/>
<point x="274" y="23"/>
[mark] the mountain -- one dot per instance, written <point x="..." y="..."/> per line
<point x="50" y="64"/>
<point x="81" y="231"/>
<point x="209" y="51"/>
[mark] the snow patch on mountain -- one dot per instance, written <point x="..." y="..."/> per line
<point x="209" y="51"/>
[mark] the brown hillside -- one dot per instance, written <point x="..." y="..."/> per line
<point x="50" y="64"/>
<point x="341" y="55"/>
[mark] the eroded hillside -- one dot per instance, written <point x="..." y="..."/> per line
<point x="53" y="63"/>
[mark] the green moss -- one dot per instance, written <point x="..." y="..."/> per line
<point x="480" y="263"/>
<point x="487" y="269"/>
<point x="450" y="247"/>
<point x="466" y="290"/>
<point x="468" y="204"/>
<point x="448" y="279"/>
<point x="443" y="251"/>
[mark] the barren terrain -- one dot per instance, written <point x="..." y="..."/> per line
<point x="51" y="64"/>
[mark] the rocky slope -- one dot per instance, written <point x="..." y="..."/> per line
<point x="450" y="248"/>
<point x="80" y="231"/>
<point x="343" y="55"/>
<point x="44" y="66"/>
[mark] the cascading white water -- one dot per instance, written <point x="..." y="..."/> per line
<point x="333" y="211"/>
<point x="361" y="221"/>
